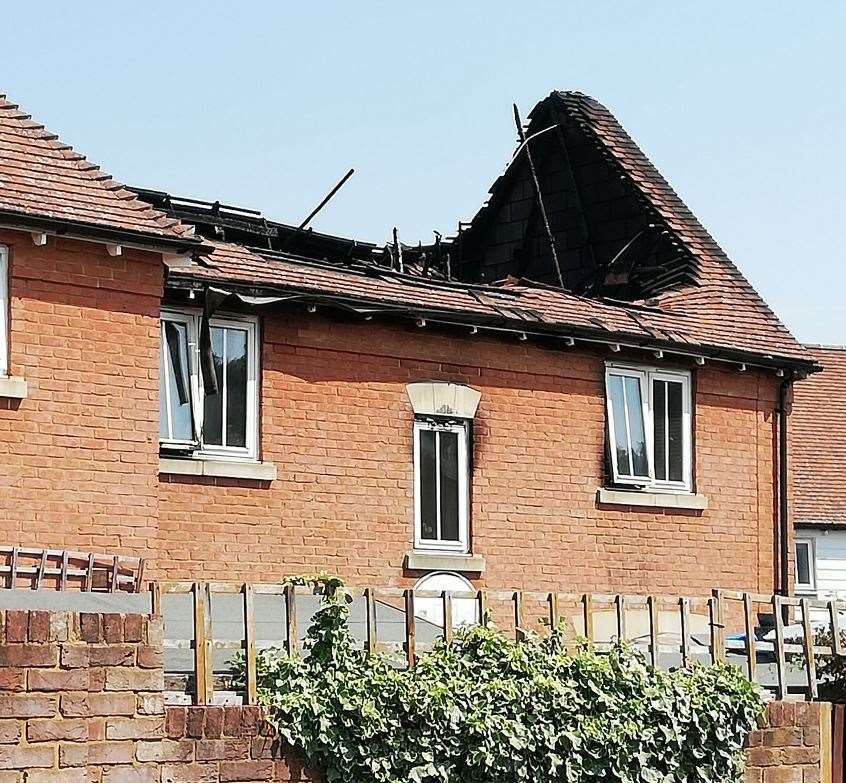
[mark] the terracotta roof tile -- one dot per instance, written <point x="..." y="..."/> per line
<point x="517" y="305"/>
<point x="818" y="440"/>
<point x="724" y="308"/>
<point x="41" y="177"/>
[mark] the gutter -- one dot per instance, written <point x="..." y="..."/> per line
<point x="88" y="232"/>
<point x="782" y="468"/>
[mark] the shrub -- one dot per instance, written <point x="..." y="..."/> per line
<point x="486" y="709"/>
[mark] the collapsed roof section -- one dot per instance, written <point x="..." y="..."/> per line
<point x="634" y="262"/>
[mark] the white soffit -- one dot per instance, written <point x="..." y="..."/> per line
<point x="432" y="398"/>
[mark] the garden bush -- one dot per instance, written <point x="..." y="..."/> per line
<point x="487" y="709"/>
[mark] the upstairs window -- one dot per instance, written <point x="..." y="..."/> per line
<point x="4" y="311"/>
<point x="806" y="581"/>
<point x="441" y="485"/>
<point x="205" y="421"/>
<point x="649" y="427"/>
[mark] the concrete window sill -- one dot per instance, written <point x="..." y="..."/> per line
<point x="444" y="561"/>
<point x="631" y="497"/>
<point x="215" y="468"/>
<point x="13" y="388"/>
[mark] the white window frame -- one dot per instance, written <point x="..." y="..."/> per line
<point x="192" y="319"/>
<point x="645" y="377"/>
<point x="4" y="311"/>
<point x="462" y="429"/>
<point x="810" y="587"/>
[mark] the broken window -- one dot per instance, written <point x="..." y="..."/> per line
<point x="441" y="482"/>
<point x="4" y="311"/>
<point x="649" y="427"/>
<point x="195" y="417"/>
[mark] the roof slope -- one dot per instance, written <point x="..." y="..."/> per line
<point x="723" y="301"/>
<point x="818" y="440"/>
<point x="42" y="178"/>
<point x="516" y="304"/>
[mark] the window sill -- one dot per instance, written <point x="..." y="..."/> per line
<point x="215" y="468"/>
<point x="443" y="561"/>
<point x="631" y="497"/>
<point x="12" y="388"/>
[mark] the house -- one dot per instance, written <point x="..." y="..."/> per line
<point x="579" y="390"/>
<point x="818" y="435"/>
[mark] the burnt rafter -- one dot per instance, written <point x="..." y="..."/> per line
<point x="610" y="238"/>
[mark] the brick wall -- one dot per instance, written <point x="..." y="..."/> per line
<point x="81" y="701"/>
<point x="80" y="698"/>
<point x="793" y="745"/>
<point x="79" y="455"/>
<point x="337" y="424"/>
<point x="80" y="462"/>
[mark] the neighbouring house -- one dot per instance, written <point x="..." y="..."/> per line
<point x="578" y="390"/>
<point x="818" y="435"/>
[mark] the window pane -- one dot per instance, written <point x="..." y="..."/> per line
<point x="449" y="485"/>
<point x="177" y="396"/>
<point x="675" y="404"/>
<point x="236" y="387"/>
<point x="803" y="563"/>
<point x="659" y="398"/>
<point x="618" y="411"/>
<point x="637" y="432"/>
<point x="213" y="403"/>
<point x="428" y="486"/>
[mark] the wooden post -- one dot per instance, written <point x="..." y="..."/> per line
<point x="202" y="664"/>
<point x="751" y="654"/>
<point x="291" y="631"/>
<point x="482" y="601"/>
<point x="410" y="630"/>
<point x="447" y="598"/>
<point x="519" y="634"/>
<point x="653" y="630"/>
<point x="836" y="641"/>
<point x="779" y="647"/>
<point x="684" y="617"/>
<point x="620" y="605"/>
<point x="155" y="599"/>
<point x="810" y="663"/>
<point x="587" y="609"/>
<point x="718" y="623"/>
<point x="370" y="609"/>
<point x="251" y="695"/>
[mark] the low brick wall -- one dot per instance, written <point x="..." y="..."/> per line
<point x="792" y="746"/>
<point x="222" y="744"/>
<point x="80" y="697"/>
<point x="81" y="701"/>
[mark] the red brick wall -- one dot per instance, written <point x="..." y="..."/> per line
<point x="337" y="424"/>
<point x="792" y="746"/>
<point x="80" y="465"/>
<point x="79" y="455"/>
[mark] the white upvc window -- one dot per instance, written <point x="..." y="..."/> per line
<point x="805" y="571"/>
<point x="441" y="485"/>
<point x="192" y="418"/>
<point x="4" y="311"/>
<point x="649" y="427"/>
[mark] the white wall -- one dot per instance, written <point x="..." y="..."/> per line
<point x="830" y="554"/>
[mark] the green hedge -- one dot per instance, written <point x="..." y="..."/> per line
<point x="487" y="709"/>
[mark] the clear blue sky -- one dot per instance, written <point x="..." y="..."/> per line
<point x="742" y="105"/>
